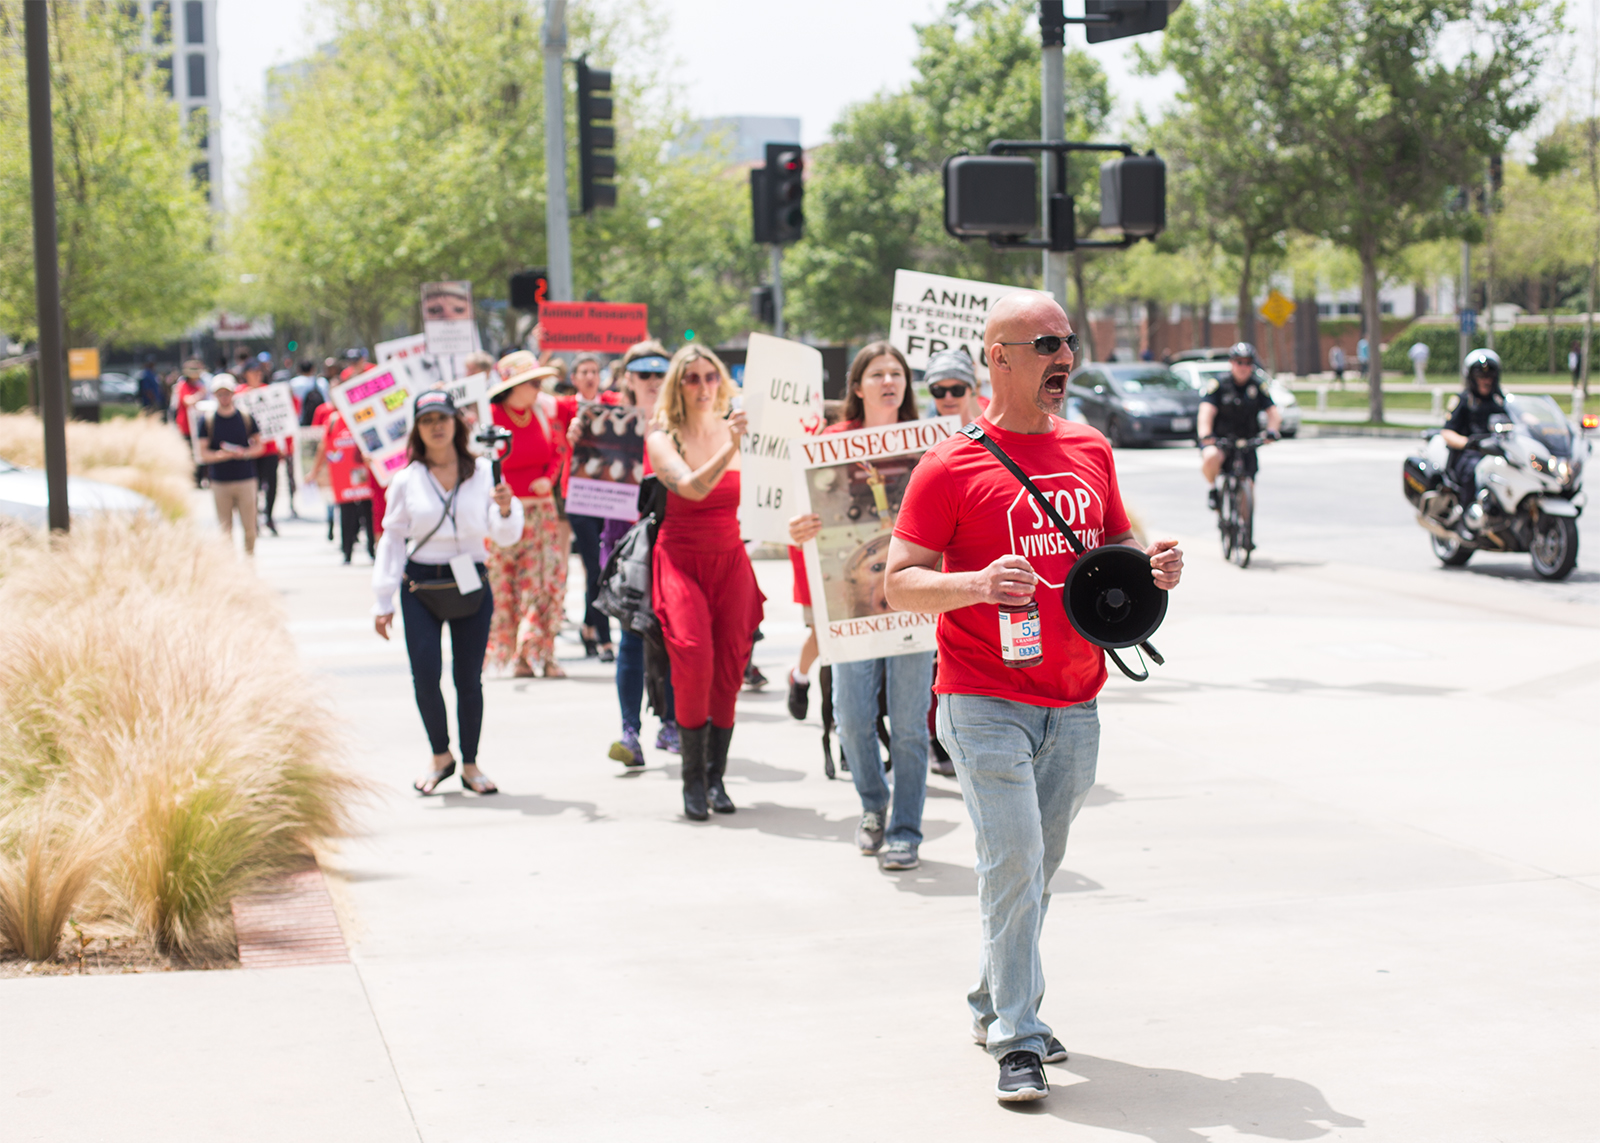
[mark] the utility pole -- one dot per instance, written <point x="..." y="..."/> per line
<point x="558" y="234"/>
<point x="1464" y="304"/>
<point x="47" y="267"/>
<point x="1053" y="129"/>
<point x="777" y="290"/>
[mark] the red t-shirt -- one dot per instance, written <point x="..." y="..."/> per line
<point x="535" y="453"/>
<point x="962" y="502"/>
<point x="347" y="471"/>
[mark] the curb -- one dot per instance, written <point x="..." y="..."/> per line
<point x="289" y="924"/>
<point x="1312" y="429"/>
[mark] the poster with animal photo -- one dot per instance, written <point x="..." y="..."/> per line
<point x="376" y="406"/>
<point x="607" y="462"/>
<point x="855" y="482"/>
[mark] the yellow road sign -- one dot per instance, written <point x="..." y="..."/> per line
<point x="1277" y="309"/>
<point x="83" y="365"/>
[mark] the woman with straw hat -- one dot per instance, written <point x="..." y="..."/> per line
<point x="530" y="575"/>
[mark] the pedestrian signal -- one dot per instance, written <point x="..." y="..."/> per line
<point x="596" y="138"/>
<point x="777" y="196"/>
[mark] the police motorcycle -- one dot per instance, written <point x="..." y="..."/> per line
<point x="1530" y="490"/>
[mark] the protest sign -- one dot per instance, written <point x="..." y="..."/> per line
<point x="783" y="400"/>
<point x="349" y="477"/>
<point x="447" y="321"/>
<point x="376" y="406"/>
<point x="855" y="482"/>
<point x="607" y="462"/>
<point x="932" y="312"/>
<point x="272" y="406"/>
<point x="307" y="439"/>
<point x="592" y="327"/>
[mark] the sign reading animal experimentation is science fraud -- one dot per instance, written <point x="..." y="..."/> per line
<point x="932" y="312"/>
<point x="855" y="481"/>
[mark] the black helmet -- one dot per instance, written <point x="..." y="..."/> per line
<point x="1484" y="361"/>
<point x="1242" y="351"/>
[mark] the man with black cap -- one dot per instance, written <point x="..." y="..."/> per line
<point x="1231" y="410"/>
<point x="953" y="384"/>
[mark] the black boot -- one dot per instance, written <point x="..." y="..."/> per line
<point x="693" y="765"/>
<point x="717" y="766"/>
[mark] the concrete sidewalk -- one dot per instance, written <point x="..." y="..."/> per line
<point x="1338" y="880"/>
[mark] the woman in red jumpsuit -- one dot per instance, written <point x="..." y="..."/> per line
<point x="704" y="588"/>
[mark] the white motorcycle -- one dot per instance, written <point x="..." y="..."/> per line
<point x="1529" y="490"/>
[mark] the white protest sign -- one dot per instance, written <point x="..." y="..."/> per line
<point x="932" y="312"/>
<point x="376" y="406"/>
<point x="447" y="320"/>
<point x="401" y="348"/>
<point x="783" y="400"/>
<point x="471" y="390"/>
<point x="272" y="406"/>
<point x="855" y="481"/>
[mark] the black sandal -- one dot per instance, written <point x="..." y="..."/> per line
<point x="482" y="785"/>
<point x="433" y="780"/>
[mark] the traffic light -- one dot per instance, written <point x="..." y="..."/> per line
<point x="1133" y="195"/>
<point x="777" y="196"/>
<point x="528" y="289"/>
<point x="595" y="168"/>
<point x="763" y="306"/>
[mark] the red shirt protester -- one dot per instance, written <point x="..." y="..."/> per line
<point x="538" y="442"/>
<point x="959" y="481"/>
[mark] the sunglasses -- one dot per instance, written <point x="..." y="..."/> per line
<point x="1049" y="345"/>
<point x="940" y="392"/>
<point x="657" y="376"/>
<point x="701" y="379"/>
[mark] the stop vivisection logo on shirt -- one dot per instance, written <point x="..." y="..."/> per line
<point x="1034" y="535"/>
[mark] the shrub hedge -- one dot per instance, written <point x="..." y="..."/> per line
<point x="1525" y="349"/>
<point x="14" y="389"/>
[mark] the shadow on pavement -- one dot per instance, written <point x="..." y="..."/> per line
<point x="1169" y="1106"/>
<point x="1267" y="563"/>
<point x="942" y="879"/>
<point x="530" y="805"/>
<point x="1400" y="690"/>
<point x="806" y="824"/>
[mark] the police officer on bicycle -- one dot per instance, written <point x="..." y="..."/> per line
<point x="1230" y="410"/>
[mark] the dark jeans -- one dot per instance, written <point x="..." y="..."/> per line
<point x="469" y="639"/>
<point x="630" y="680"/>
<point x="267" y="479"/>
<point x="586" y="532"/>
<point x="353" y="516"/>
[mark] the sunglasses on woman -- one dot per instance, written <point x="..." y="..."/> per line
<point x="940" y="392"/>
<point x="1049" y="345"/>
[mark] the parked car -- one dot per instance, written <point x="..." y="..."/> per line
<point x="1200" y="372"/>
<point x="24" y="497"/>
<point x="1135" y="403"/>
<point x="118" y="389"/>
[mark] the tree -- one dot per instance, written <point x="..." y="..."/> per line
<point x="134" y="229"/>
<point x="1392" y="125"/>
<point x="874" y="203"/>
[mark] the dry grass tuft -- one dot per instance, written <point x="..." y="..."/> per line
<point x="139" y="453"/>
<point x="144" y="672"/>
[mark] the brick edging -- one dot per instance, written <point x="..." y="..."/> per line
<point x="291" y="922"/>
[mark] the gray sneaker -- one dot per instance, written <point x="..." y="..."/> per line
<point x="898" y="855"/>
<point x="869" y="834"/>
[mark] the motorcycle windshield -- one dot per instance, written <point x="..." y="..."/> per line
<point x="1542" y="419"/>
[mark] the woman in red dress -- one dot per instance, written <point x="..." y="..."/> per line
<point x="704" y="588"/>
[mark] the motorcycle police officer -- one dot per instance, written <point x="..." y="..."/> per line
<point x="1480" y="405"/>
<point x="1231" y="410"/>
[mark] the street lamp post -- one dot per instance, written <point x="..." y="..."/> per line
<point x="558" y="235"/>
<point x="47" y="269"/>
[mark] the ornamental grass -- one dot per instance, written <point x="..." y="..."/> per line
<point x="162" y="750"/>
<point x="138" y="453"/>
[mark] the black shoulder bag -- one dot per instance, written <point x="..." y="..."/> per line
<point x="1110" y="595"/>
<point x="625" y="584"/>
<point x="442" y="597"/>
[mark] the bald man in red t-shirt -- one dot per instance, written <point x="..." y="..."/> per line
<point x="1024" y="741"/>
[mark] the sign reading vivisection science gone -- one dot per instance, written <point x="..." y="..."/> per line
<point x="932" y="313"/>
<point x="855" y="481"/>
<point x="783" y="401"/>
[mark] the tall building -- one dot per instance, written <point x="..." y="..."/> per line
<point x="183" y="36"/>
<point x="743" y="137"/>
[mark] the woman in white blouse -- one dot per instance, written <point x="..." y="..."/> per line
<point x="445" y="502"/>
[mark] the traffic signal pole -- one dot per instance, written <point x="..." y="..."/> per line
<point x="1053" y="129"/>
<point x="777" y="290"/>
<point x="558" y="233"/>
<point x="46" y="263"/>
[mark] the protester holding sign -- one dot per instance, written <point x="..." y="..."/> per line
<point x="704" y="589"/>
<point x="1023" y="733"/>
<point x="445" y="502"/>
<point x="230" y="444"/>
<point x="596" y="630"/>
<point x="878" y="393"/>
<point x="529" y="574"/>
<point x="349" y="481"/>
<point x="255" y="382"/>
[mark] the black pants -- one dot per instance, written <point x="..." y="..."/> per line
<point x="586" y="534"/>
<point x="353" y="516"/>
<point x="469" y="639"/>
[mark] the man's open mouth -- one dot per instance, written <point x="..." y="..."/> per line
<point x="1055" y="384"/>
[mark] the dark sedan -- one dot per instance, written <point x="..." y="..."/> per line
<point x="1137" y="403"/>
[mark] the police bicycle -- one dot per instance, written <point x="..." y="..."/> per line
<point x="1236" y="497"/>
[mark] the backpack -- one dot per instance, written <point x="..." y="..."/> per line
<point x="625" y="584"/>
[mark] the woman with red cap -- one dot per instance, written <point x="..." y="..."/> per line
<point x="530" y="575"/>
<point x="704" y="589"/>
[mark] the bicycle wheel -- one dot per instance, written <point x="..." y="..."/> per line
<point x="1244" y="531"/>
<point x="1225" y="508"/>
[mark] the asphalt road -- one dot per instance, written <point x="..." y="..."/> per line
<point x="1331" y="500"/>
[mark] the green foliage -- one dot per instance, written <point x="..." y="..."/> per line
<point x="414" y="150"/>
<point x="14" y="388"/>
<point x="1523" y="349"/>
<point x="874" y="203"/>
<point x="134" y="230"/>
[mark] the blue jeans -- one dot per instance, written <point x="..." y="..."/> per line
<point x="1025" y="772"/>
<point x="630" y="678"/>
<point x="855" y="709"/>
